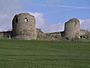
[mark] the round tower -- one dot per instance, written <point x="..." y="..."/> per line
<point x="24" y="27"/>
<point x="72" y="29"/>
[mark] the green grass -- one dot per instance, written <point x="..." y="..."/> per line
<point x="44" y="54"/>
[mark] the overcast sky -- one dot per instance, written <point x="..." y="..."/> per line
<point x="50" y="14"/>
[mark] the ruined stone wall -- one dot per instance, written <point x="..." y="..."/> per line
<point x="53" y="36"/>
<point x="40" y="34"/>
<point x="5" y="34"/>
<point x="48" y="36"/>
<point x="84" y="34"/>
<point x="72" y="29"/>
<point x="24" y="27"/>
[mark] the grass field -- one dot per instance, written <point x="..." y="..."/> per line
<point x="44" y="54"/>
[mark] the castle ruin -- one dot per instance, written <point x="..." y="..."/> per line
<point x="24" y="28"/>
<point x="72" y="29"/>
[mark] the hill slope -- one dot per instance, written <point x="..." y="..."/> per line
<point x="44" y="54"/>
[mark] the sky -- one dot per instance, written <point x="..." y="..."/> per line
<point x="50" y="15"/>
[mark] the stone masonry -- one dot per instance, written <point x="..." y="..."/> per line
<point x="24" y="27"/>
<point x="72" y="29"/>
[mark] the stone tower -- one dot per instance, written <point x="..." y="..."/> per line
<point x="24" y="27"/>
<point x="72" y="29"/>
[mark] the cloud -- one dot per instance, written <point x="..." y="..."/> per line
<point x="61" y="6"/>
<point x="40" y="20"/>
<point x="85" y="24"/>
<point x="44" y="25"/>
<point x="56" y="3"/>
<point x="8" y="9"/>
<point x="74" y="7"/>
<point x="11" y="7"/>
<point x="55" y="28"/>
